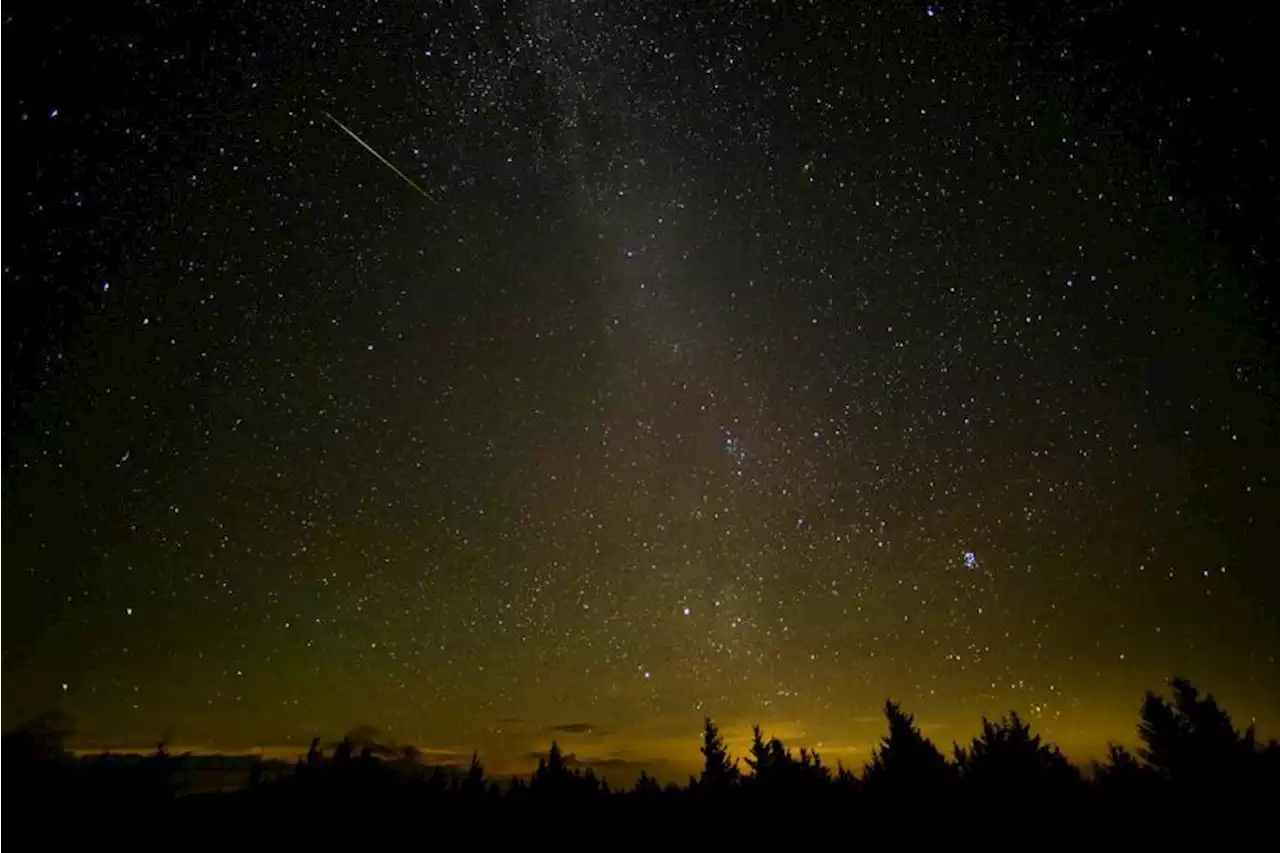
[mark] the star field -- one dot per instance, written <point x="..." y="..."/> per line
<point x="759" y="361"/>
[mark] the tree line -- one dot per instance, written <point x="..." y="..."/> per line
<point x="1190" y="750"/>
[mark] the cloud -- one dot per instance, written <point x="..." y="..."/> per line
<point x="444" y="755"/>
<point x="578" y="729"/>
<point x="624" y="771"/>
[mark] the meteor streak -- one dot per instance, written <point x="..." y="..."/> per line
<point x="384" y="160"/>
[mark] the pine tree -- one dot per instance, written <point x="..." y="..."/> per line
<point x="1122" y="773"/>
<point x="718" y="771"/>
<point x="1191" y="742"/>
<point x="759" y="755"/>
<point x="553" y="778"/>
<point x="1007" y="756"/>
<point x="473" y="783"/>
<point x="647" y="786"/>
<point x="906" y="761"/>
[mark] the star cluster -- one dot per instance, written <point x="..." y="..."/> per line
<point x="759" y="361"/>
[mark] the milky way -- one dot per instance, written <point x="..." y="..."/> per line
<point x="759" y="361"/>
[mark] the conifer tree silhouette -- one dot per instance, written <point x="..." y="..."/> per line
<point x="718" y="771"/>
<point x="906" y="761"/>
<point x="1008" y="757"/>
<point x="473" y="784"/>
<point x="344" y="751"/>
<point x="552" y="781"/>
<point x="846" y="780"/>
<point x="759" y="755"/>
<point x="776" y="771"/>
<point x="1122" y="774"/>
<point x="1191" y="742"/>
<point x="315" y="757"/>
<point x="556" y="767"/>
<point x="647" y="786"/>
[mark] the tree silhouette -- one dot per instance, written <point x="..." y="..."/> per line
<point x="1008" y="757"/>
<point x="906" y="761"/>
<point x="36" y="753"/>
<point x="647" y="786"/>
<point x="39" y="741"/>
<point x="1122" y="774"/>
<point x="473" y="784"/>
<point x="554" y="767"/>
<point x="344" y="752"/>
<point x="774" y="767"/>
<point x="553" y="782"/>
<point x="760" y="756"/>
<point x="1190" y="742"/>
<point x="846" y="780"/>
<point x="718" y="771"/>
<point x="314" y="755"/>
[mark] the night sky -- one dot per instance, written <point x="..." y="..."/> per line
<point x="760" y="361"/>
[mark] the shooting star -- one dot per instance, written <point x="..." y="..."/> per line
<point x="384" y="160"/>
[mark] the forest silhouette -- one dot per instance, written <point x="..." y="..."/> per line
<point x="1190" y="753"/>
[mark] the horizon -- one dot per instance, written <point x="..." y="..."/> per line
<point x="619" y="756"/>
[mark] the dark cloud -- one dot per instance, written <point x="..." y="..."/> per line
<point x="571" y="759"/>
<point x="578" y="729"/>
<point x="605" y="763"/>
<point x="624" y="771"/>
